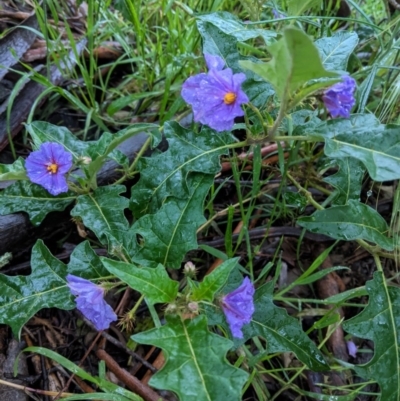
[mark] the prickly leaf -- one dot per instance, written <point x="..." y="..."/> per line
<point x="22" y="296"/>
<point x="24" y="196"/>
<point x="196" y="367"/>
<point x="166" y="174"/>
<point x="103" y="211"/>
<point x="153" y="283"/>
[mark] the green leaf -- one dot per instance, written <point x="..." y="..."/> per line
<point x="100" y="150"/>
<point x="290" y="67"/>
<point x="22" y="296"/>
<point x="282" y="332"/>
<point x="224" y="44"/>
<point x="349" y="222"/>
<point x="84" y="262"/>
<point x="103" y="211"/>
<point x="364" y="138"/>
<point x="196" y="367"/>
<point x="14" y="171"/>
<point x="231" y="25"/>
<point x="154" y="284"/>
<point x="167" y="235"/>
<point x="166" y="174"/>
<point x="213" y="282"/>
<point x="336" y="49"/>
<point x="347" y="180"/>
<point x="380" y="322"/>
<point x="42" y="131"/>
<point x="24" y="196"/>
<point x="119" y="393"/>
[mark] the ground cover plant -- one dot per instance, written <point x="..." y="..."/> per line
<point x="207" y="201"/>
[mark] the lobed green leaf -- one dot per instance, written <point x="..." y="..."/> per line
<point x="167" y="235"/>
<point x="42" y="131"/>
<point x="336" y="49"/>
<point x="46" y="287"/>
<point x="196" y="367"/>
<point x="347" y="181"/>
<point x="364" y="138"/>
<point x="214" y="281"/>
<point x="14" y="171"/>
<point x="22" y="296"/>
<point x="24" y="196"/>
<point x="282" y="332"/>
<point x="103" y="211"/>
<point x="167" y="174"/>
<point x="349" y="222"/>
<point x="153" y="283"/>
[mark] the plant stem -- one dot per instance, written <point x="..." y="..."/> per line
<point x="34" y="390"/>
<point x="306" y="193"/>
<point x="131" y="168"/>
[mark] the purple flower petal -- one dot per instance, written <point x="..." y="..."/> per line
<point x="47" y="167"/>
<point x="351" y="348"/>
<point x="90" y="302"/>
<point x="216" y="97"/>
<point x="214" y="62"/>
<point x="339" y="98"/>
<point x="238" y="307"/>
<point x="277" y="15"/>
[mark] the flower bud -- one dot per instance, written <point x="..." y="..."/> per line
<point x="193" y="307"/>
<point x="189" y="270"/>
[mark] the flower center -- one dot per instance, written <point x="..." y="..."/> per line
<point x="229" y="98"/>
<point x="52" y="168"/>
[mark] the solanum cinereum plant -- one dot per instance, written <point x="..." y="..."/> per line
<point x="224" y="310"/>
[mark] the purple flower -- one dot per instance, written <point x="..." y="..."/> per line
<point x="339" y="98"/>
<point x="90" y="302"/>
<point x="277" y="15"/>
<point x="238" y="307"/>
<point x="216" y="97"/>
<point x="47" y="167"/>
<point x="351" y="348"/>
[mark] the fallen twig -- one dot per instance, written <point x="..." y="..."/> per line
<point x="131" y="382"/>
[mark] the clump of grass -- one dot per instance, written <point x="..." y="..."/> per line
<point x="158" y="46"/>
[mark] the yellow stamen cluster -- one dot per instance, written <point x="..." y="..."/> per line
<point x="52" y="167"/>
<point x="229" y="98"/>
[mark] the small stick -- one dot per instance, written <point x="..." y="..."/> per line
<point x="158" y="363"/>
<point x="131" y="382"/>
<point x="34" y="390"/>
<point x="122" y="303"/>
<point x="80" y="363"/>
<point x="226" y="166"/>
<point x="118" y="344"/>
